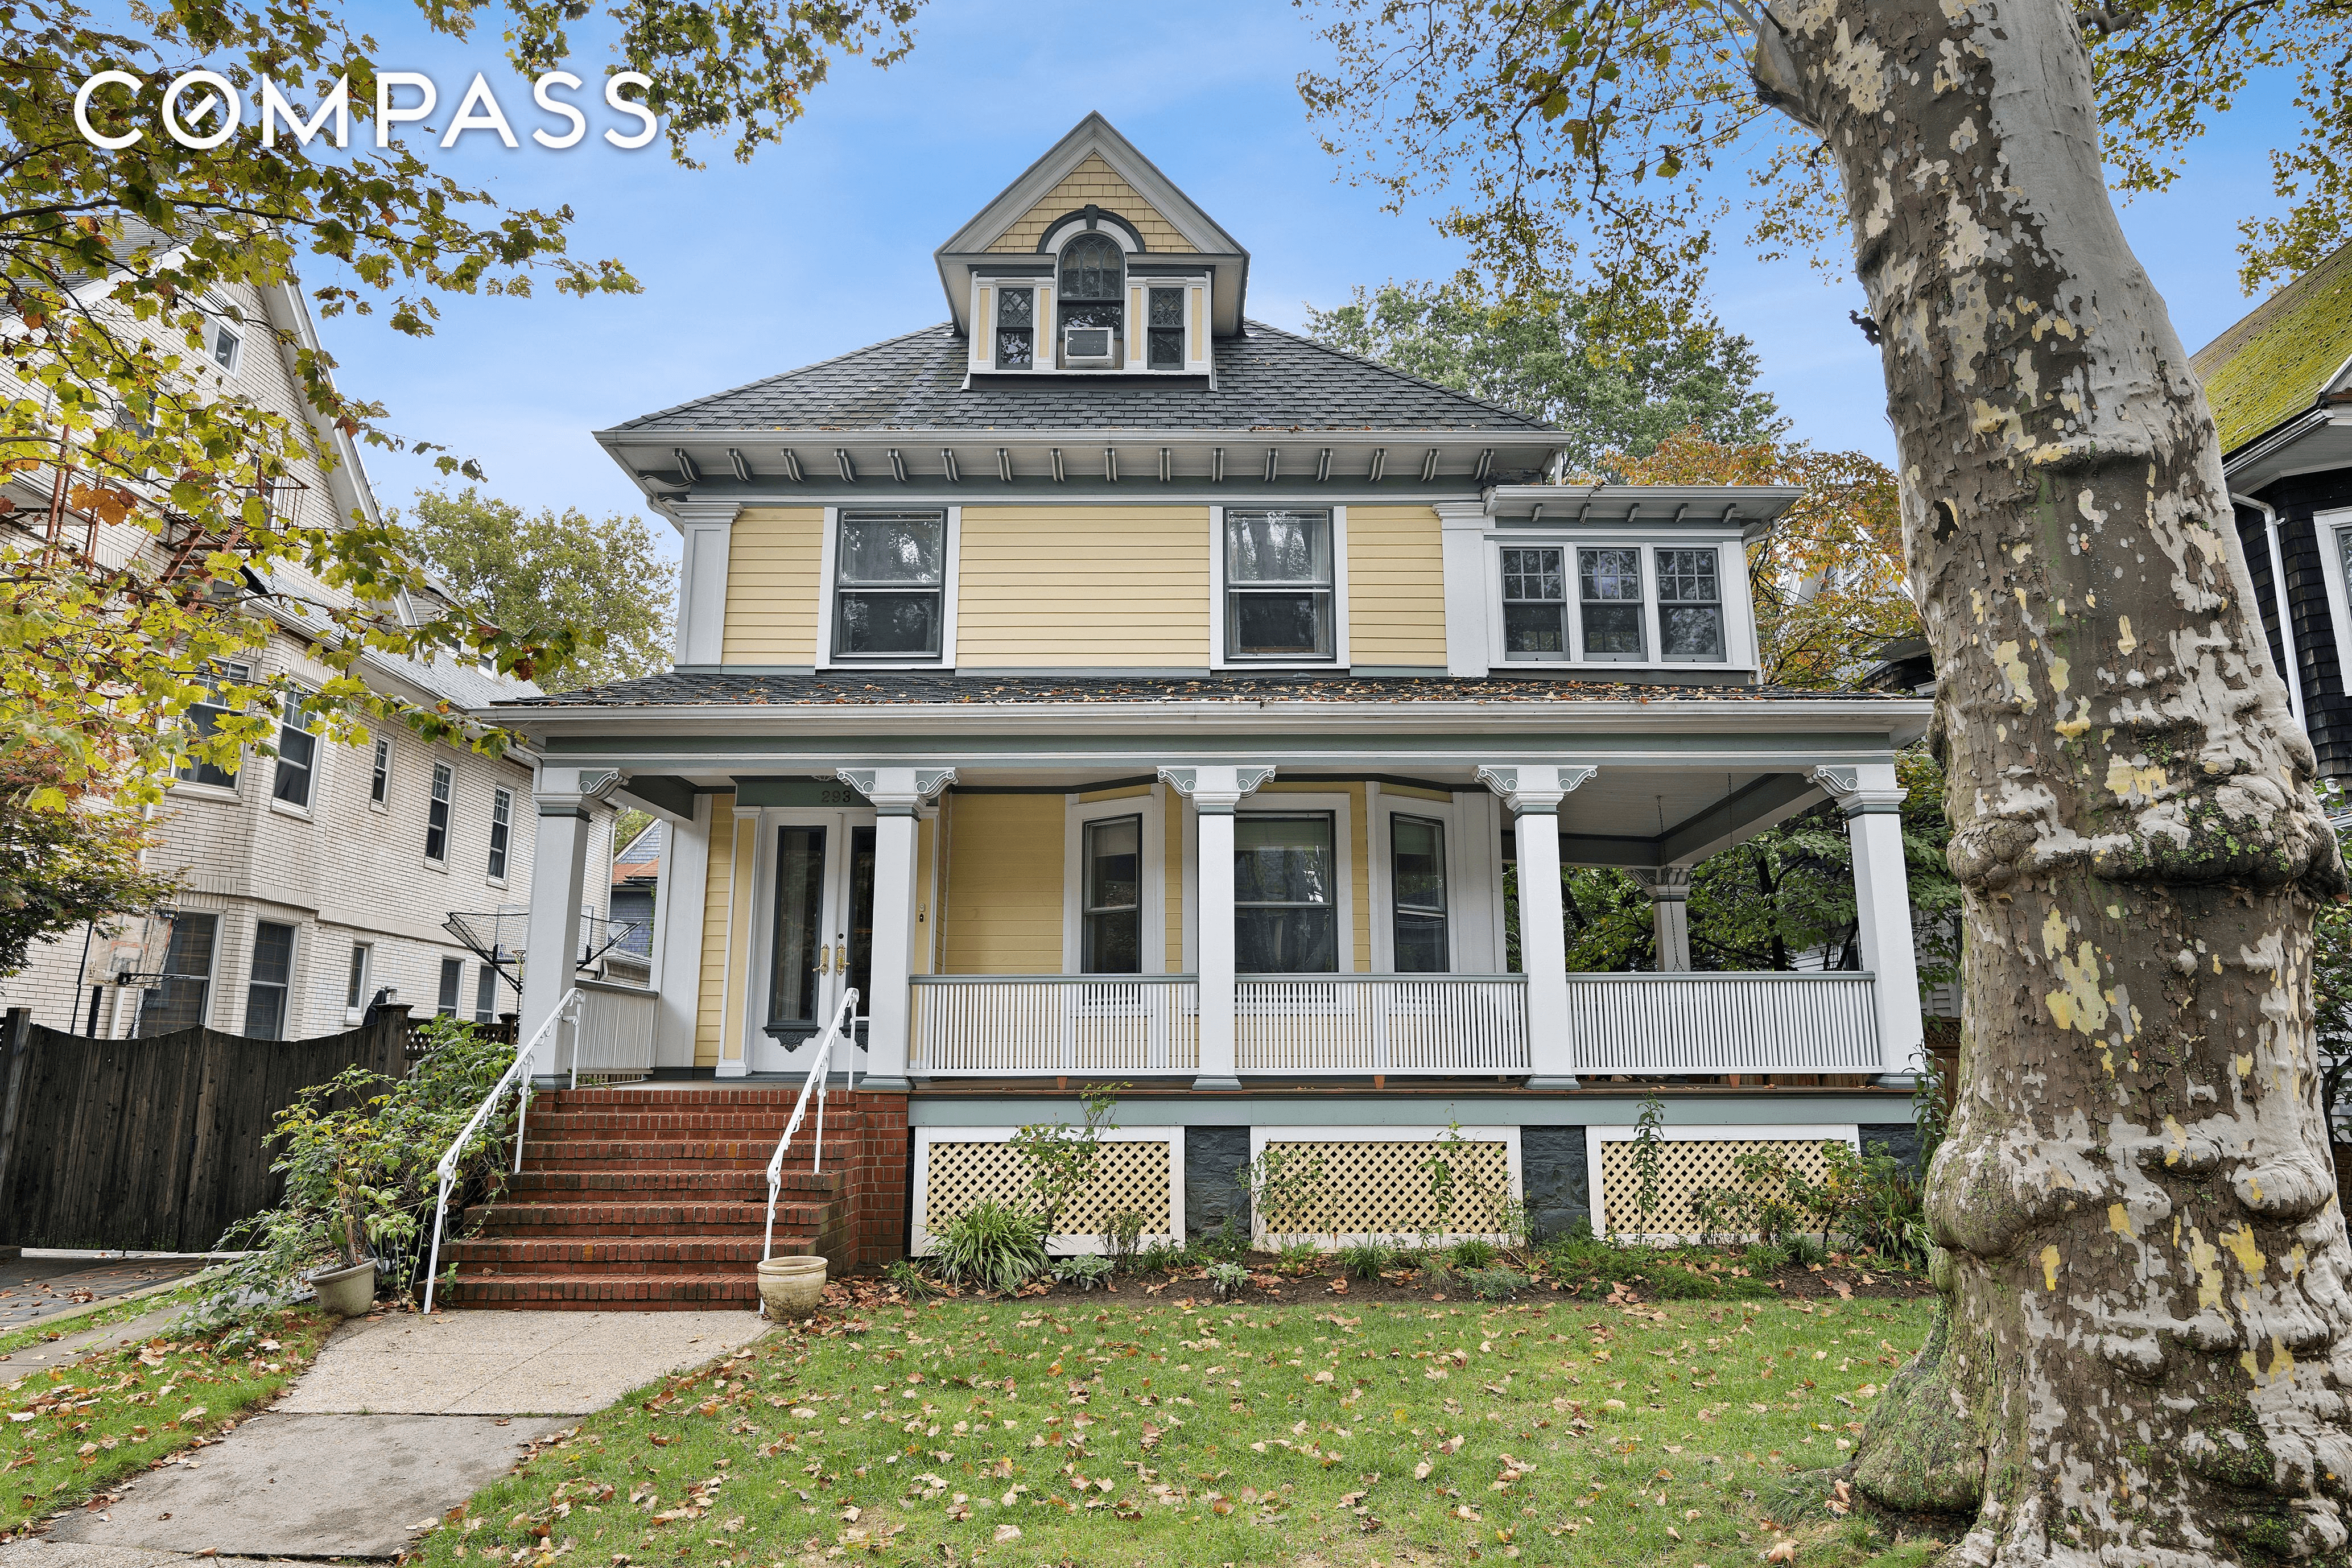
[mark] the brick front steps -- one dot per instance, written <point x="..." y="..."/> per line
<point x="643" y="1199"/>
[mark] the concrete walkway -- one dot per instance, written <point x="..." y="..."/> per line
<point x="401" y="1419"/>
<point x="41" y="1287"/>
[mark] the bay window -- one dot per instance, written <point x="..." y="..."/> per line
<point x="1690" y="605"/>
<point x="1285" y="897"/>
<point x="1608" y="589"/>
<point x="1278" y="586"/>
<point x="266" y="984"/>
<point x="204" y="721"/>
<point x="297" y="755"/>
<point x="889" y="585"/>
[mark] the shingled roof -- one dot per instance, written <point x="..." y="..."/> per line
<point x="720" y="689"/>
<point x="1266" y="379"/>
<point x="2282" y="355"/>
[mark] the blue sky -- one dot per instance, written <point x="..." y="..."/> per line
<point x="823" y="243"/>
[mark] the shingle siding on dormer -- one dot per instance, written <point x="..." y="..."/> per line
<point x="1094" y="183"/>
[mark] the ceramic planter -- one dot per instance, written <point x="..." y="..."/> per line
<point x="346" y="1293"/>
<point x="790" y="1285"/>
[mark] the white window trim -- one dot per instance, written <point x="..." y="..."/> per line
<point x="951" y="550"/>
<point x="286" y="1024"/>
<point x="1278" y="803"/>
<point x="1153" y="895"/>
<point x="1198" y="337"/>
<point x="367" y="987"/>
<point x="1382" y="809"/>
<point x="1408" y="1133"/>
<point x="1340" y="657"/>
<point x="1738" y="609"/>
<point x="490" y="825"/>
<point x="450" y="824"/>
<point x="2339" y="602"/>
<point x="919" y="1237"/>
<point x="213" y="966"/>
<point x="318" y="751"/>
<point x="391" y="757"/>
<point x="1762" y="1131"/>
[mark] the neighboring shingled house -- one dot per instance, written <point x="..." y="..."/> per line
<point x="2280" y="382"/>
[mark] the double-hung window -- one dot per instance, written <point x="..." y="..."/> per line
<point x="379" y="782"/>
<point x="889" y="585"/>
<point x="437" y="816"/>
<point x="264" y="990"/>
<point x="1417" y="887"/>
<point x="486" y="995"/>
<point x="1016" y="327"/>
<point x="355" y="987"/>
<point x="1165" y="347"/>
<point x="1285" y="897"/>
<point x="1091" y="301"/>
<point x="228" y="346"/>
<point x="298" y="754"/>
<point x="1690" y="605"/>
<point x="1278" y="586"/>
<point x="1111" y="934"/>
<point x="1609" y="590"/>
<point x="502" y="821"/>
<point x="1534" y="604"/>
<point x="204" y="720"/>
<point x="452" y="985"/>
<point x="178" y="1000"/>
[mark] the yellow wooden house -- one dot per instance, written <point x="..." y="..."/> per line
<point x="1115" y="690"/>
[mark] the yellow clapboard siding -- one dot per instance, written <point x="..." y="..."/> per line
<point x="1004" y="880"/>
<point x="927" y="846"/>
<point x="1094" y="181"/>
<point x="710" y="1005"/>
<point x="1116" y="586"/>
<point x="1396" y="586"/>
<point x="774" y="556"/>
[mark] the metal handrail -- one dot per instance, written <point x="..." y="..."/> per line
<point x="816" y="1082"/>
<point x="518" y="1077"/>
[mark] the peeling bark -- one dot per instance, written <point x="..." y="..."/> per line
<point x="2147" y="1339"/>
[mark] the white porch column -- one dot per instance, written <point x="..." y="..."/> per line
<point x="1214" y="793"/>
<point x="559" y="875"/>
<point x="1669" y="891"/>
<point x="899" y="795"/>
<point x="1871" y="798"/>
<point x="678" y="933"/>
<point x="1534" y="793"/>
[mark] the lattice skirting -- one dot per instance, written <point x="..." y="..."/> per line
<point x="1139" y="1169"/>
<point x="1688" y="1165"/>
<point x="1390" y="1184"/>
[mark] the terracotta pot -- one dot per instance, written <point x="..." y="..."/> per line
<point x="790" y="1285"/>
<point x="346" y="1293"/>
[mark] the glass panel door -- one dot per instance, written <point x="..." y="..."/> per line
<point x="818" y="936"/>
<point x="798" y="941"/>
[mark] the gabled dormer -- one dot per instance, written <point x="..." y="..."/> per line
<point x="1093" y="263"/>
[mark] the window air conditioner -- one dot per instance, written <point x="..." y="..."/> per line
<point x="1087" y="345"/>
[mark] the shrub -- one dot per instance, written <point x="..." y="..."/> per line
<point x="909" y="1277"/>
<point x="1299" y="1256"/>
<point x="992" y="1246"/>
<point x="360" y="1155"/>
<point x="1887" y="1214"/>
<point x="1367" y="1262"/>
<point x="1226" y="1276"/>
<point x="1163" y="1257"/>
<point x="1474" y="1252"/>
<point x="1086" y="1271"/>
<point x="1673" y="1282"/>
<point x="1764" y="1256"/>
<point x="1229" y="1242"/>
<point x="1494" y="1284"/>
<point x="1121" y="1235"/>
<point x="1805" y="1249"/>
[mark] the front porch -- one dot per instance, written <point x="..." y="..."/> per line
<point x="1220" y="925"/>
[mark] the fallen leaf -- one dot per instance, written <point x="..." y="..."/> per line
<point x="1007" y="1532"/>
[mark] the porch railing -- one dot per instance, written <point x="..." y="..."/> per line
<point x="1041" y="1024"/>
<point x="615" y="1040"/>
<point x="1723" y="1023"/>
<point x="1356" y="1024"/>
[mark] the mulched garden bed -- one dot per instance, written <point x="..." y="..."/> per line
<point x="1727" y="1280"/>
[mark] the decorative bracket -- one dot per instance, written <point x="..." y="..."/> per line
<point x="1845" y="786"/>
<point x="1534" y="789"/>
<point x="1216" y="791"/>
<point x="898" y="791"/>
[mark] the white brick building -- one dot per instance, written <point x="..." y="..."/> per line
<point x="317" y="879"/>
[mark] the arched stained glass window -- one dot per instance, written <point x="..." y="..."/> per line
<point x="1092" y="268"/>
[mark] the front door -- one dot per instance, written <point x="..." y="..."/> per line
<point x="819" y="934"/>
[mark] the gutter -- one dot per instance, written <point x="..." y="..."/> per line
<point x="2294" y="671"/>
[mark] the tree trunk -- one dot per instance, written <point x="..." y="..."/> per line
<point x="2147" y="1336"/>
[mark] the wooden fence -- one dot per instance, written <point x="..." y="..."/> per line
<point x="157" y="1143"/>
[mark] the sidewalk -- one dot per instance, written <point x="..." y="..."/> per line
<point x="34" y="1288"/>
<point x="401" y="1418"/>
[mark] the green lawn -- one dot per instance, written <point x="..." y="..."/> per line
<point x="75" y="1431"/>
<point x="1120" y="1430"/>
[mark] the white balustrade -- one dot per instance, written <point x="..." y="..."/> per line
<point x="1295" y="1026"/>
<point x="614" y="1037"/>
<point x="1054" y="1024"/>
<point x="1723" y="1023"/>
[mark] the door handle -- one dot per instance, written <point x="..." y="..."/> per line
<point x="841" y="957"/>
<point x="823" y="960"/>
